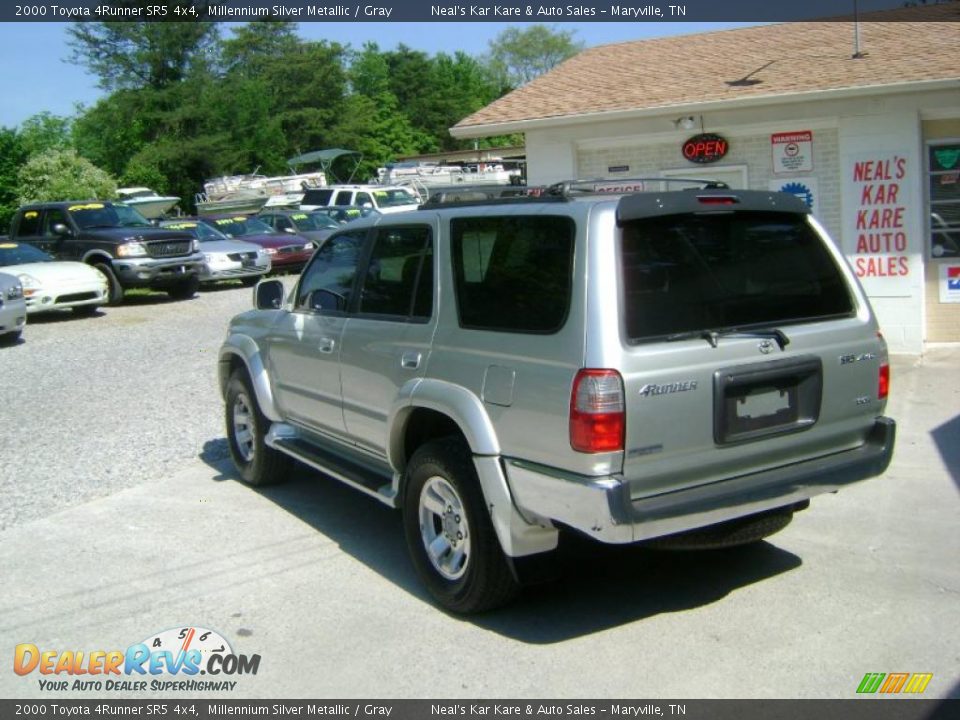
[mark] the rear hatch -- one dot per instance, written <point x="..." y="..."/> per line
<point x="747" y="342"/>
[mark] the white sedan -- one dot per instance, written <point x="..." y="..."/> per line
<point x="50" y="284"/>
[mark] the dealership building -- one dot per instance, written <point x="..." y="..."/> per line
<point x="861" y="120"/>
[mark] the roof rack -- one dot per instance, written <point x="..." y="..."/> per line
<point x="621" y="186"/>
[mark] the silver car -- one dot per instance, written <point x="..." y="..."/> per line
<point x="224" y="258"/>
<point x="685" y="367"/>
<point x="13" y="308"/>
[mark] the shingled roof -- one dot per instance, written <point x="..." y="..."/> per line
<point x="768" y="61"/>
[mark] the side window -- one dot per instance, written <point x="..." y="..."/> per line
<point x="363" y="199"/>
<point x="344" y="197"/>
<point x="399" y="278"/>
<point x="513" y="273"/>
<point x="29" y="223"/>
<point x="270" y="220"/>
<point x="51" y="218"/>
<point x="327" y="282"/>
<point x="282" y="223"/>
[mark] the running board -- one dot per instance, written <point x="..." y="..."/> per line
<point x="365" y="477"/>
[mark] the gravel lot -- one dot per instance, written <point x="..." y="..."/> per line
<point x="93" y="406"/>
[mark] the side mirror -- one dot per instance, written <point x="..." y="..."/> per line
<point x="61" y="230"/>
<point x="268" y="295"/>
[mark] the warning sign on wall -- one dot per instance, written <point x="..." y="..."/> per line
<point x="792" y="151"/>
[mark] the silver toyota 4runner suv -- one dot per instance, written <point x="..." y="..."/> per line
<point x="685" y="366"/>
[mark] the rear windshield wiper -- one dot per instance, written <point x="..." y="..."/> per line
<point x="713" y="336"/>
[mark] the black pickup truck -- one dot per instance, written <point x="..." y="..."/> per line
<point x="115" y="239"/>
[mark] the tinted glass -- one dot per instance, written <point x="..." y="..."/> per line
<point x="327" y="282"/>
<point x="685" y="274"/>
<point x="513" y="273"/>
<point x="29" y="223"/>
<point x="19" y="254"/>
<point x="397" y="197"/>
<point x="97" y="215"/>
<point x="399" y="277"/>
<point x="241" y="226"/>
<point x="316" y="197"/>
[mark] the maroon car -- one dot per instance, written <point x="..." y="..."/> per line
<point x="288" y="252"/>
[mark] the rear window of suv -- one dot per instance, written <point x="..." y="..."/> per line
<point x="513" y="273"/>
<point x="689" y="273"/>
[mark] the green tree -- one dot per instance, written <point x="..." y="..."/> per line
<point x="374" y="123"/>
<point x="518" y="56"/>
<point x="62" y="175"/>
<point x="141" y="54"/>
<point x="12" y="156"/>
<point x="256" y="45"/>
<point x="44" y="131"/>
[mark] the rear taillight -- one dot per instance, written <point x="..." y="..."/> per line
<point x="883" y="387"/>
<point x="597" y="413"/>
<point x="883" y="383"/>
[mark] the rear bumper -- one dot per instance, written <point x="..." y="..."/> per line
<point x="602" y="507"/>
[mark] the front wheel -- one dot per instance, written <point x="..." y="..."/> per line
<point x="257" y="462"/>
<point x="450" y="537"/>
<point x="114" y="288"/>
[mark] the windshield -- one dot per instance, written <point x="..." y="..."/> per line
<point x="394" y="198"/>
<point x="103" y="215"/>
<point x="241" y="226"/>
<point x="201" y="231"/>
<point x="17" y="254"/>
<point x="313" y="221"/>
<point x="690" y="273"/>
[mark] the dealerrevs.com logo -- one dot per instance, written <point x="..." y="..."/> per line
<point x="171" y="660"/>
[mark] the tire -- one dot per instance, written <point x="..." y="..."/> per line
<point x="114" y="288"/>
<point x="449" y="535"/>
<point x="184" y="289"/>
<point x="257" y="463"/>
<point x="11" y="338"/>
<point x="86" y="310"/>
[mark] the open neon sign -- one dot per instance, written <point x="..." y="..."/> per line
<point x="705" y="148"/>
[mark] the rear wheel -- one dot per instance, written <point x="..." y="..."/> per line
<point x="258" y="463"/>
<point x="184" y="289"/>
<point x="114" y="288"/>
<point x="450" y="537"/>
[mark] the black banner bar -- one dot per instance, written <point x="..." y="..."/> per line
<point x="632" y="11"/>
<point x="865" y="708"/>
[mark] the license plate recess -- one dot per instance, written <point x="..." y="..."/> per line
<point x="761" y="400"/>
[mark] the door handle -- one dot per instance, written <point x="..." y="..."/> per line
<point x="410" y="360"/>
<point x="326" y="345"/>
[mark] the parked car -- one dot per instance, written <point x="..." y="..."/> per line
<point x="13" y="308"/>
<point x="687" y="367"/>
<point x="224" y="258"/>
<point x="312" y="225"/>
<point x="382" y="198"/>
<point x="287" y="252"/>
<point x="346" y="213"/>
<point x="117" y="240"/>
<point x="49" y="284"/>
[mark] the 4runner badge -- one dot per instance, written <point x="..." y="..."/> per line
<point x="653" y="389"/>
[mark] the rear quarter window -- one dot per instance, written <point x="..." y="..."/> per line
<point x="513" y="273"/>
<point x="687" y="273"/>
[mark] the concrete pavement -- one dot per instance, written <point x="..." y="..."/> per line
<point x="314" y="578"/>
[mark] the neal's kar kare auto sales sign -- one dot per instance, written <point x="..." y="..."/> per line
<point x="878" y="221"/>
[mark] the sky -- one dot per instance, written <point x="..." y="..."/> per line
<point x="36" y="75"/>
